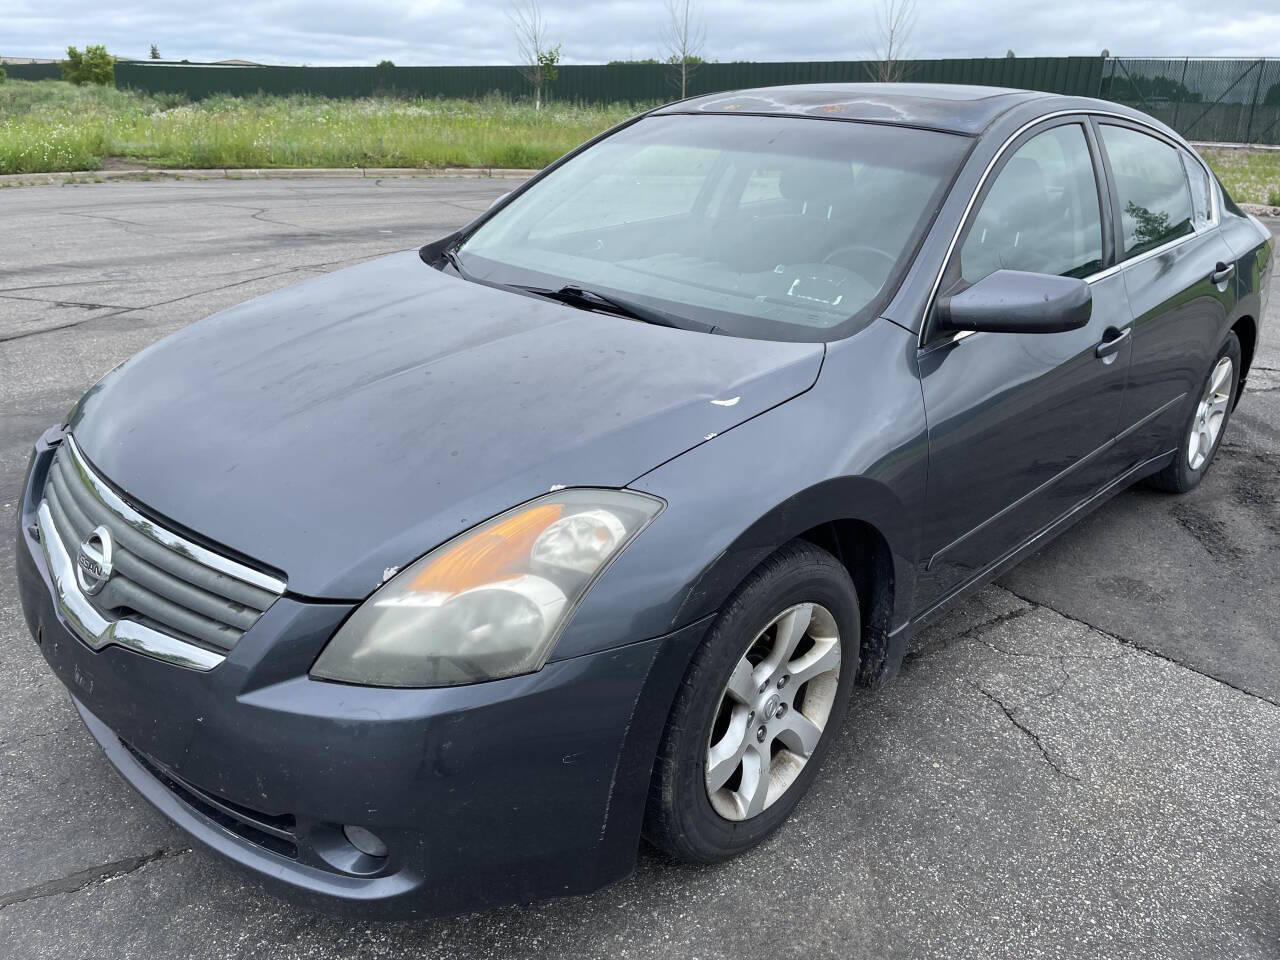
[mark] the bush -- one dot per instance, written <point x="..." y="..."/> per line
<point x="2" y="75"/>
<point x="95" y="65"/>
<point x="169" y="101"/>
<point x="1274" y="198"/>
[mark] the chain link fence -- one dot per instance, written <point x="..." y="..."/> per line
<point x="1217" y="100"/>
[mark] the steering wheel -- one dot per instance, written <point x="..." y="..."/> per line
<point x="853" y="256"/>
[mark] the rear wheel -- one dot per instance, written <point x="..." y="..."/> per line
<point x="757" y="709"/>
<point x="1202" y="434"/>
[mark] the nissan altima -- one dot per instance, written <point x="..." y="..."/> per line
<point x="438" y="582"/>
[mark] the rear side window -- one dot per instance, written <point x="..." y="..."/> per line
<point x="1155" y="199"/>
<point x="1041" y="214"/>
<point x="1199" y="181"/>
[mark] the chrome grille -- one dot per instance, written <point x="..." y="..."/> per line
<point x="160" y="581"/>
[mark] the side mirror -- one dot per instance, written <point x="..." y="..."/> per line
<point x="1011" y="301"/>
<point x="498" y="199"/>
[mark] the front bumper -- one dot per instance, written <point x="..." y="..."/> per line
<point x="508" y="791"/>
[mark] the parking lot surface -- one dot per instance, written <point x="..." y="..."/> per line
<point x="1081" y="761"/>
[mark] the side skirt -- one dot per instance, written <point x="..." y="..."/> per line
<point x="898" y="639"/>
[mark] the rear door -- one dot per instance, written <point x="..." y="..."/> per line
<point x="1019" y="423"/>
<point x="1179" y="275"/>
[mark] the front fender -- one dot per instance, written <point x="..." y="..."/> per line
<point x="853" y="447"/>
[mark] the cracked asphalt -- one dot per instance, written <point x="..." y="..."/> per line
<point x="1080" y="761"/>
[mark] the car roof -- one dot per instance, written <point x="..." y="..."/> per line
<point x="956" y="108"/>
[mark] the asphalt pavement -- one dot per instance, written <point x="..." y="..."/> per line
<point x="1081" y="761"/>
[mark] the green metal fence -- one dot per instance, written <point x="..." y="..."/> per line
<point x="1204" y="99"/>
<point x="1220" y="100"/>
<point x="32" y="71"/>
<point x="604" y="83"/>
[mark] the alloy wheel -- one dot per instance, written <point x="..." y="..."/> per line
<point x="1211" y="413"/>
<point x="773" y="711"/>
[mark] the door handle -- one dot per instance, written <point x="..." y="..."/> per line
<point x="1221" y="272"/>
<point x="1112" y="341"/>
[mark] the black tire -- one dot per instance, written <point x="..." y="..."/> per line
<point x="1179" y="477"/>
<point x="680" y="818"/>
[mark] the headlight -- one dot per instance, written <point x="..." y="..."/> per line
<point x="491" y="602"/>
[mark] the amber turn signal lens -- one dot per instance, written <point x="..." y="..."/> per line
<point x="490" y="556"/>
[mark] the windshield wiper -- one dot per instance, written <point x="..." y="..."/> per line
<point x="576" y="296"/>
<point x="451" y="255"/>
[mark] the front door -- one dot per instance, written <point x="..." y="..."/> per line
<point x="1019" y="424"/>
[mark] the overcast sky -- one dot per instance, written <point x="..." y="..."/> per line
<point x="476" y="31"/>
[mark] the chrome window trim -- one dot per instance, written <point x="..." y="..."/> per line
<point x="1116" y="267"/>
<point x="95" y="630"/>
<point x="151" y="529"/>
<point x="1143" y="256"/>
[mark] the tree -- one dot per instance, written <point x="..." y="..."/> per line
<point x="683" y="37"/>
<point x="895" y="19"/>
<point x="95" y="65"/>
<point x="1149" y="226"/>
<point x="384" y="79"/>
<point x="155" y="52"/>
<point x="547" y="64"/>
<point x="538" y="58"/>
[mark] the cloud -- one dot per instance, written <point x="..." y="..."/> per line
<point x="477" y="31"/>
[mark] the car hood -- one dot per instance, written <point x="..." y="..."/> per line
<point x="342" y="427"/>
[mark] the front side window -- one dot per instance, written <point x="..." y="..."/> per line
<point x="1041" y="214"/>
<point x="1155" y="200"/>
<point x="773" y="227"/>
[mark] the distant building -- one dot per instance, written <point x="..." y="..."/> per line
<point x="17" y="60"/>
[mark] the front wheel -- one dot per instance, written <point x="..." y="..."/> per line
<point x="758" y="708"/>
<point x="1202" y="434"/>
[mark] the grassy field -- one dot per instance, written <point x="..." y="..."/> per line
<point x="50" y="125"/>
<point x="1250" y="176"/>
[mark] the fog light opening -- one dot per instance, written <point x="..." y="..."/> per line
<point x="366" y="841"/>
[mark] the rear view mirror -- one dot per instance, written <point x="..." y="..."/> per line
<point x="1011" y="301"/>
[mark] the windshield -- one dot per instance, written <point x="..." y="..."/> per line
<point x="775" y="227"/>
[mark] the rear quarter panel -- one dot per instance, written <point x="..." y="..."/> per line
<point x="1254" y="249"/>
